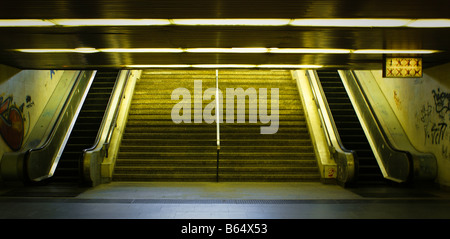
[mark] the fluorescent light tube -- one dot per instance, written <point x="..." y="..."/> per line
<point x="393" y="51"/>
<point x="228" y="50"/>
<point x="289" y="66"/>
<point x="310" y="50"/>
<point x="85" y="50"/>
<point x="157" y="66"/>
<point x="142" y="50"/>
<point x="350" y="22"/>
<point x="223" y="66"/>
<point x="249" y="50"/>
<point x="45" y="50"/>
<point x="231" y="22"/>
<point x="430" y="23"/>
<point x="25" y="23"/>
<point x="110" y="22"/>
<point x="301" y="22"/>
<point x="208" y="50"/>
<point x="61" y="50"/>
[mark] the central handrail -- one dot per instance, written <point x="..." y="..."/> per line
<point x="217" y="124"/>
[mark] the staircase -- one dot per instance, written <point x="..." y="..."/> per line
<point x="154" y="148"/>
<point x="86" y="127"/>
<point x="248" y="155"/>
<point x="349" y="127"/>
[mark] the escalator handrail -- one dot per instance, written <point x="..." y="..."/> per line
<point x="106" y="129"/>
<point x="116" y="113"/>
<point x="325" y="114"/>
<point x="40" y="163"/>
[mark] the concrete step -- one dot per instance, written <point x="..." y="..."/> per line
<point x="169" y="177"/>
<point x="304" y="177"/>
<point x="211" y="155"/>
<point x="154" y="148"/>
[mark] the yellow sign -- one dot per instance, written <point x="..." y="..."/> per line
<point x="402" y="67"/>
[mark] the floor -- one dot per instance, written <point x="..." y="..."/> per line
<point x="161" y="200"/>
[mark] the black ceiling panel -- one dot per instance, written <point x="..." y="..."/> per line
<point x="220" y="36"/>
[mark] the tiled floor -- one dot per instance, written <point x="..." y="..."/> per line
<point x="225" y="201"/>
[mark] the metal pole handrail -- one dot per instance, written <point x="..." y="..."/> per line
<point x="217" y="123"/>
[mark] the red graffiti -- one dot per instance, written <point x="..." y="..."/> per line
<point x="331" y="172"/>
<point x="11" y="124"/>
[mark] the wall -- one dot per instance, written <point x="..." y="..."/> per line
<point x="7" y="72"/>
<point x="422" y="106"/>
<point x="23" y="98"/>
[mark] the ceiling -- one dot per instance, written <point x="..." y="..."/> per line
<point x="175" y="36"/>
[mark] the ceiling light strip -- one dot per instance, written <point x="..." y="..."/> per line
<point x="62" y="50"/>
<point x="110" y="22"/>
<point x="303" y="22"/>
<point x="25" y="23"/>
<point x="231" y="22"/>
<point x="215" y="66"/>
<point x="350" y="22"/>
<point x="250" y="50"/>
<point x="228" y="50"/>
<point x="157" y="66"/>
<point x="142" y="50"/>
<point x="289" y="66"/>
<point x="393" y="51"/>
<point x="309" y="51"/>
<point x="430" y="23"/>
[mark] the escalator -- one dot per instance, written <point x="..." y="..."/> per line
<point x="86" y="128"/>
<point x="350" y="130"/>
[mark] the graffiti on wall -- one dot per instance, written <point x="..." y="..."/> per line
<point x="441" y="102"/>
<point x="12" y="128"/>
<point x="21" y="105"/>
<point x="397" y="100"/>
<point x="434" y="117"/>
<point x="437" y="132"/>
<point x="425" y="119"/>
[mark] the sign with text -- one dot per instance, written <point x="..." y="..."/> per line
<point x="402" y="67"/>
